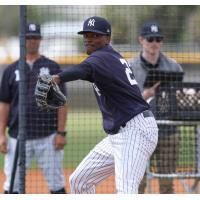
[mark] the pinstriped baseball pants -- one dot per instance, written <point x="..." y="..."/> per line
<point x="48" y="159"/>
<point x="126" y="154"/>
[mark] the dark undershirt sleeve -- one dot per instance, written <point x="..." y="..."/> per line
<point x="81" y="71"/>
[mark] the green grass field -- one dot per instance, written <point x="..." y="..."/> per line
<point x="188" y="146"/>
<point x="85" y="130"/>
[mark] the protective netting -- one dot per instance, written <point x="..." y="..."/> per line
<point x="174" y="166"/>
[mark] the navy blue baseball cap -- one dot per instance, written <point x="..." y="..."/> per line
<point x="151" y="29"/>
<point x="96" y="25"/>
<point x="33" y="30"/>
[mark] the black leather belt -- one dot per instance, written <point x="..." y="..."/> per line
<point x="146" y="113"/>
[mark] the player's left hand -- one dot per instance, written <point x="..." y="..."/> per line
<point x="47" y="93"/>
<point x="59" y="142"/>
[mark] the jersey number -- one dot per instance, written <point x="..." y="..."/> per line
<point x="17" y="77"/>
<point x="128" y="72"/>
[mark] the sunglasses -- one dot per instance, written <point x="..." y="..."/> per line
<point x="157" y="39"/>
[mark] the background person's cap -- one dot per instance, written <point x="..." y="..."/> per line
<point x="96" y="25"/>
<point x="151" y="29"/>
<point x="33" y="30"/>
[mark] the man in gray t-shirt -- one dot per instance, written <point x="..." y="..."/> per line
<point x="165" y="155"/>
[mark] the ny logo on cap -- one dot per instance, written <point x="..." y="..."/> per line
<point x="32" y="27"/>
<point x="91" y="22"/>
<point x="154" y="29"/>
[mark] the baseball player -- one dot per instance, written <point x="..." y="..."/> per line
<point x="45" y="137"/>
<point x="130" y="126"/>
<point x="151" y="40"/>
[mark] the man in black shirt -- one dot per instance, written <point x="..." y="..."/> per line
<point x="45" y="130"/>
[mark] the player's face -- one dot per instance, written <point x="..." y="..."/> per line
<point x="94" y="41"/>
<point x="151" y="45"/>
<point x="32" y="45"/>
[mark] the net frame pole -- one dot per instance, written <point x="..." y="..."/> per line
<point x="181" y="176"/>
<point x="22" y="100"/>
<point x="14" y="169"/>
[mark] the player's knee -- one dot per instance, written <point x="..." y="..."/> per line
<point x="73" y="182"/>
<point x="78" y="184"/>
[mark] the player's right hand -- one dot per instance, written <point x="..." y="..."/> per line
<point x="3" y="144"/>
<point x="150" y="92"/>
<point x="59" y="142"/>
<point x="56" y="78"/>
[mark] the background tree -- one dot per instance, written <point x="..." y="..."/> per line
<point x="173" y="20"/>
<point x="9" y="23"/>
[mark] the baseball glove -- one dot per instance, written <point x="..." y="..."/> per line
<point x="47" y="93"/>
